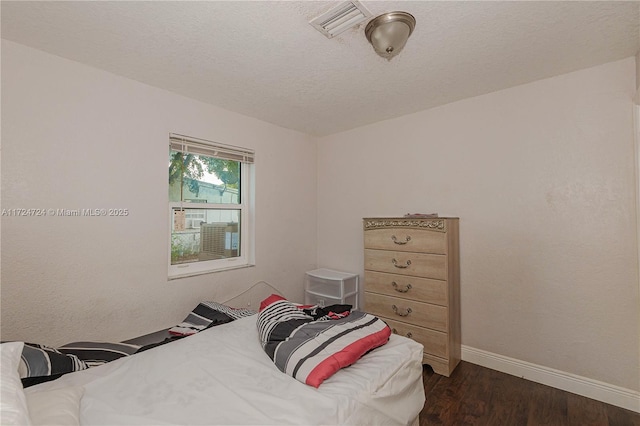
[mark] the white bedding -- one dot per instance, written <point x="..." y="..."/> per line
<point x="222" y="376"/>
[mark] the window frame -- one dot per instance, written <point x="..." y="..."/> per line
<point x="245" y="227"/>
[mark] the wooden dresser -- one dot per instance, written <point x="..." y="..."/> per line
<point x="412" y="281"/>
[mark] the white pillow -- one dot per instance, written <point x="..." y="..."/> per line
<point x="59" y="407"/>
<point x="13" y="403"/>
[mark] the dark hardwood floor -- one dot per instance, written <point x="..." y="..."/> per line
<point x="475" y="395"/>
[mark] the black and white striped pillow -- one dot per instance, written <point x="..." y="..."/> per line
<point x="40" y="360"/>
<point x="235" y="313"/>
<point x="208" y="314"/>
<point x="97" y="353"/>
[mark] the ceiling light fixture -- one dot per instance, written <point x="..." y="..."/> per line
<point x="389" y="32"/>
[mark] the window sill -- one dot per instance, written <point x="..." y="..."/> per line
<point x="212" y="271"/>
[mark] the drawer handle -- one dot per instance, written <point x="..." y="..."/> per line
<point x="401" y="290"/>
<point x="401" y="314"/>
<point x="401" y="243"/>
<point x="409" y="334"/>
<point x="395" y="263"/>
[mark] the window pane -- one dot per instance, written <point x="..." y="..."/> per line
<point x="202" y="179"/>
<point x="204" y="234"/>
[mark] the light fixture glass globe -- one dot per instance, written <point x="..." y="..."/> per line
<point x="388" y="33"/>
<point x="390" y="38"/>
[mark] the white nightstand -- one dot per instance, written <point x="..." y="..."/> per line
<point x="325" y="287"/>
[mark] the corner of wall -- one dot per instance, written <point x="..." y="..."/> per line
<point x="636" y="144"/>
<point x="638" y="78"/>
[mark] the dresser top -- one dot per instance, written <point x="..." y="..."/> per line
<point x="435" y="224"/>
<point x="407" y="218"/>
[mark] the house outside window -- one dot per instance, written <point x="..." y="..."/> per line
<point x="209" y="206"/>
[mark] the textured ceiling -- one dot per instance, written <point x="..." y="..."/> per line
<point x="264" y="60"/>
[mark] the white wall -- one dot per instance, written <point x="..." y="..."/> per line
<point x="636" y="117"/>
<point x="638" y="74"/>
<point x="542" y="178"/>
<point x="76" y="137"/>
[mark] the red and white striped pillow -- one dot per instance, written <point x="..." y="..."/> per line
<point x="312" y="351"/>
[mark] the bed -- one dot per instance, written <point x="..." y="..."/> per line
<point x="222" y="375"/>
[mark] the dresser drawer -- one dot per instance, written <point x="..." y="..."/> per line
<point x="434" y="342"/>
<point x="414" y="264"/>
<point x="407" y="311"/>
<point x="408" y="239"/>
<point x="406" y="287"/>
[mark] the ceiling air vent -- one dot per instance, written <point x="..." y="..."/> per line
<point x="340" y="18"/>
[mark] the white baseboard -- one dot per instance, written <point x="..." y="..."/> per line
<point x="590" y="388"/>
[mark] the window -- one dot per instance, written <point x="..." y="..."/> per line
<point x="209" y="193"/>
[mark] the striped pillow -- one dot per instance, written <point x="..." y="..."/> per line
<point x="312" y="351"/>
<point x="40" y="360"/>
<point x="97" y="353"/>
<point x="208" y="314"/>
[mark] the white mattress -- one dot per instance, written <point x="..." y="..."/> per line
<point x="222" y="376"/>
